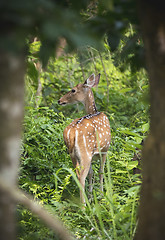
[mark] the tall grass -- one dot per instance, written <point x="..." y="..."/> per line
<point x="46" y="169"/>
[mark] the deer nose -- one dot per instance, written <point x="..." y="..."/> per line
<point x="61" y="102"/>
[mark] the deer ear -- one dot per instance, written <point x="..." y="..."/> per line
<point x="92" y="81"/>
<point x="97" y="78"/>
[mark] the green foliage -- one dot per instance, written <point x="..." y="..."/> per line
<point x="81" y="23"/>
<point x="122" y="94"/>
<point x="44" y="153"/>
<point x="46" y="19"/>
<point x="46" y="169"/>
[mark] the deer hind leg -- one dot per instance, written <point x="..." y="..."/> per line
<point x="76" y="164"/>
<point x="101" y="171"/>
<point x="84" y="169"/>
<point x="90" y="176"/>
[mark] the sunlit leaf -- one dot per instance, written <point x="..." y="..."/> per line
<point x="132" y="164"/>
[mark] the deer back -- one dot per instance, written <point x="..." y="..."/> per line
<point x="90" y="133"/>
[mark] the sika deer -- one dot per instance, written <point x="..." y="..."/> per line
<point x="86" y="136"/>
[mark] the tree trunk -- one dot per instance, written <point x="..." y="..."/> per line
<point x="11" y="112"/>
<point x="152" y="203"/>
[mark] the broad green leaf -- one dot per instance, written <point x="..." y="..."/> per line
<point x="124" y="90"/>
<point x="145" y="127"/>
<point x="120" y="171"/>
<point x="126" y="131"/>
<point x="132" y="164"/>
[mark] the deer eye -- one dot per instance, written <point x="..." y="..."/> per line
<point x="73" y="90"/>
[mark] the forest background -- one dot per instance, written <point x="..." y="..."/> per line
<point x="45" y="169"/>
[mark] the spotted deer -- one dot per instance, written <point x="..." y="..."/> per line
<point x="86" y="136"/>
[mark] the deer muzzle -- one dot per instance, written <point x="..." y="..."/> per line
<point x="61" y="103"/>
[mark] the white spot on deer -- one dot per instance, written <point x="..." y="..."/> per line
<point x="68" y="134"/>
<point x="84" y="140"/>
<point x="77" y="145"/>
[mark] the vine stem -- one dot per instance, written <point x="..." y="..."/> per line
<point x="105" y="76"/>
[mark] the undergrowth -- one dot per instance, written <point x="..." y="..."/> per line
<point x="46" y="170"/>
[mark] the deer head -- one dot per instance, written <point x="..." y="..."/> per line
<point x="81" y="92"/>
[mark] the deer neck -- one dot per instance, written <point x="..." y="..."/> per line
<point x="89" y="103"/>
